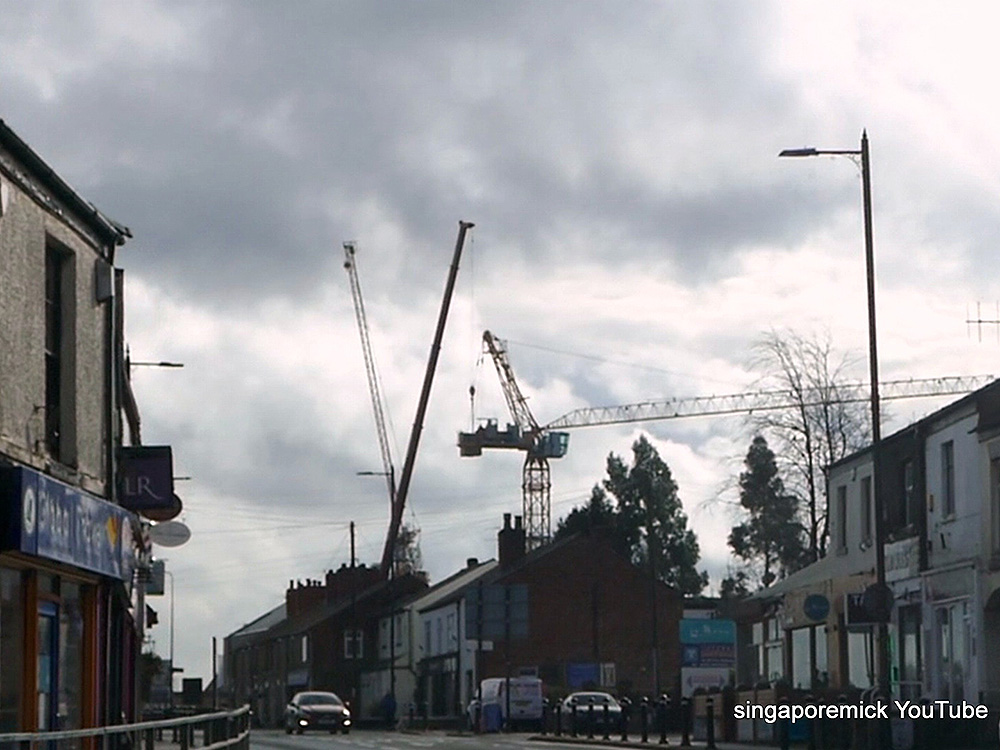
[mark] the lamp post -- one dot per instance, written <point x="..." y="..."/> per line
<point x="879" y="595"/>
<point x="171" y="646"/>
<point x="391" y="478"/>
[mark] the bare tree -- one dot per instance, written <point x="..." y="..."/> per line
<point x="820" y="430"/>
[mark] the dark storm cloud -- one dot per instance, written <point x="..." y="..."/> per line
<point x="243" y="157"/>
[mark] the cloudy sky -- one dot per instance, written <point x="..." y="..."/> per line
<point x="635" y="234"/>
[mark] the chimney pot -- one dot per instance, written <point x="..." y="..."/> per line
<point x="472" y="562"/>
<point x="506" y="520"/>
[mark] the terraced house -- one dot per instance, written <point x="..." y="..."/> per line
<point x="69" y="635"/>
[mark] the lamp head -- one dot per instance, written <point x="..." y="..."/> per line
<point x="799" y="152"/>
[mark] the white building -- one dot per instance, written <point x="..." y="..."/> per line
<point x="940" y="490"/>
<point x="421" y="627"/>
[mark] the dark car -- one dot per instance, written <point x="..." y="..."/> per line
<point x="317" y="710"/>
<point x="590" y="706"/>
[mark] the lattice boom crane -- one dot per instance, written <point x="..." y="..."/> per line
<point x="551" y="441"/>
<point x="350" y="264"/>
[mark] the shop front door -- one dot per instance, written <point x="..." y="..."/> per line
<point x="48" y="666"/>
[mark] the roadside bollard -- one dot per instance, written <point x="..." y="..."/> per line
<point x="811" y="738"/>
<point x="846" y="741"/>
<point x="558" y="718"/>
<point x="572" y="720"/>
<point x="685" y="722"/>
<point x="644" y="719"/>
<point x="783" y="733"/>
<point x="607" y="726"/>
<point x="545" y="716"/>
<point x="710" y="723"/>
<point x="626" y="711"/>
<point x="661" y="717"/>
<point x="590" y="720"/>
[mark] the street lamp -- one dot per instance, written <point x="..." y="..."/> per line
<point x="155" y="364"/>
<point x="880" y="596"/>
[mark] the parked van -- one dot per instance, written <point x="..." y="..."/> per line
<point x="525" y="703"/>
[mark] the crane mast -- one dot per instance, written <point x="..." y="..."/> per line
<point x="350" y="264"/>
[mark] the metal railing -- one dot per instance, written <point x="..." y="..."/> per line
<point x="217" y="731"/>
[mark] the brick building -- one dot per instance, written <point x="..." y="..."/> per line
<point x="590" y="620"/>
<point x="323" y="638"/>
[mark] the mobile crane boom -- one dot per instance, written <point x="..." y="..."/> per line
<point x="399" y="501"/>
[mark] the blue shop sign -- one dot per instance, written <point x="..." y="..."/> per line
<point x="48" y="518"/>
<point x="695" y="631"/>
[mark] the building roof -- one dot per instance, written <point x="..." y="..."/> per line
<point x="109" y="230"/>
<point x="986" y="398"/>
<point x="824" y="569"/>
<point x="447" y="590"/>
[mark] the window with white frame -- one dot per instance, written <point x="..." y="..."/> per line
<point x="354" y="644"/>
<point x="769" y="650"/>
<point x="841" y="509"/>
<point x="948" y="478"/>
<point x="866" y="510"/>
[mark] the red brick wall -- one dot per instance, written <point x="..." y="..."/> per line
<point x="588" y="604"/>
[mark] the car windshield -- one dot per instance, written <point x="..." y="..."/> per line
<point x="319" y="699"/>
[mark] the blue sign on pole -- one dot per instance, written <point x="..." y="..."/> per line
<point x="708" y="631"/>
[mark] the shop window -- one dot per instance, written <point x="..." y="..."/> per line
<point x="860" y="658"/>
<point x="70" y="663"/>
<point x="769" y="650"/>
<point x="809" y="662"/>
<point x="11" y="648"/>
<point x="953" y="630"/>
<point x="910" y="684"/>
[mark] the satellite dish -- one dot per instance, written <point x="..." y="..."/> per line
<point x="169" y="534"/>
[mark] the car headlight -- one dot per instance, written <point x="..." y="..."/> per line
<point x="347" y="713"/>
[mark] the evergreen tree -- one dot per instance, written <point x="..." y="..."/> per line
<point x="647" y="522"/>
<point x="771" y="539"/>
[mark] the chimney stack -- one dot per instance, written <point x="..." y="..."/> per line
<point x="511" y="542"/>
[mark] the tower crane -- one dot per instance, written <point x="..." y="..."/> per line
<point x="374" y="388"/>
<point x="542" y="442"/>
<point x="524" y="434"/>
